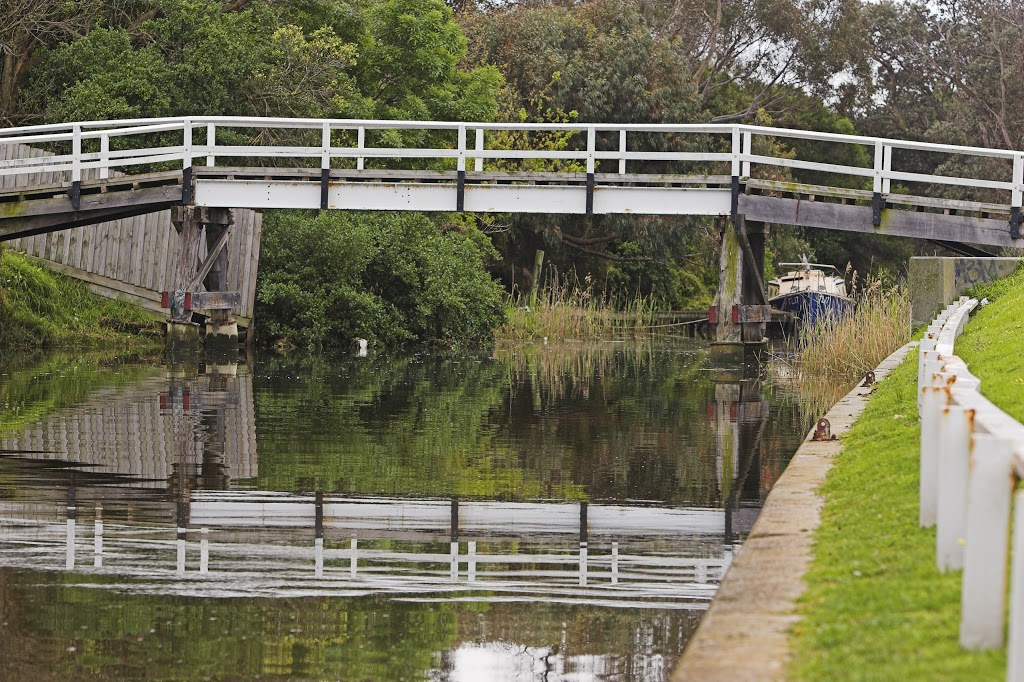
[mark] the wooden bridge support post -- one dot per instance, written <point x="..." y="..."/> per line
<point x="728" y="334"/>
<point x="189" y="274"/>
<point x="181" y="333"/>
<point x="221" y="327"/>
<point x="740" y="303"/>
<point x="753" y="281"/>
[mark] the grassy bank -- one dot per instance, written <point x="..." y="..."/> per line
<point x="876" y="607"/>
<point x="40" y="309"/>
<point x="990" y="341"/>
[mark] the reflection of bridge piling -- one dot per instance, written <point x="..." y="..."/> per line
<point x="740" y="418"/>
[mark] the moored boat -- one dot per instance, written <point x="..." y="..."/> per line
<point x="811" y="292"/>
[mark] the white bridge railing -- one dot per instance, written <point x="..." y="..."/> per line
<point x="106" y="145"/>
<point x="972" y="458"/>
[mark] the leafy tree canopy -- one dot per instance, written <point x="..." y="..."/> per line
<point x="389" y="59"/>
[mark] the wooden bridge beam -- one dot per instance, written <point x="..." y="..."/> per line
<point x="894" y="222"/>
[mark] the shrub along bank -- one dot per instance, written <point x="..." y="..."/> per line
<point x="392" y="278"/>
<point x="876" y="607"/>
<point x="40" y="308"/>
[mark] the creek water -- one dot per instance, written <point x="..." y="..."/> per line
<point x="542" y="512"/>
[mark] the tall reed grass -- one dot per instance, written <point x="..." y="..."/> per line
<point x="569" y="309"/>
<point x="836" y="352"/>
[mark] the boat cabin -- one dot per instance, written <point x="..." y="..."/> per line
<point x="811" y="277"/>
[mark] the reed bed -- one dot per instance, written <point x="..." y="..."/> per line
<point x="568" y="310"/>
<point x="838" y="351"/>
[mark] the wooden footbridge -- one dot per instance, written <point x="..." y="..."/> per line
<point x="212" y="165"/>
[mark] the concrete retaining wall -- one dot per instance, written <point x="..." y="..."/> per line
<point x="936" y="282"/>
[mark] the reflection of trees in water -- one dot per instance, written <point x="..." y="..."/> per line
<point x="30" y="390"/>
<point x="608" y="421"/>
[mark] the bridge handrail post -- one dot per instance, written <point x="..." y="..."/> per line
<point x="622" y="150"/>
<point x="879" y="166"/>
<point x="886" y="167"/>
<point x="877" y="185"/>
<point x="325" y="146"/>
<point x="325" y="165"/>
<point x="76" y="167"/>
<point x="591" y="146"/>
<point x="360" y="145"/>
<point x="104" y="156"/>
<point x="1017" y="196"/>
<point x="736" y="151"/>
<point x="748" y="146"/>
<point x="211" y="142"/>
<point x="461" y="161"/>
<point x="478" y="162"/>
<point x="186" y="131"/>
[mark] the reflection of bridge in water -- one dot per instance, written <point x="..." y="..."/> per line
<point x="241" y="544"/>
<point x="134" y="487"/>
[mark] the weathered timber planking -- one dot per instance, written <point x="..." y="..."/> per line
<point x="132" y="257"/>
<point x="851" y="218"/>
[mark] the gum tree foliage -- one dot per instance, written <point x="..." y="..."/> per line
<point x="393" y="279"/>
<point x="594" y="61"/>
<point x="949" y="72"/>
<point x="690" y="61"/>
<point x="388" y="59"/>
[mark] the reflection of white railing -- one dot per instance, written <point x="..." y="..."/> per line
<point x="972" y="457"/>
<point x="233" y="563"/>
<point x="88" y="145"/>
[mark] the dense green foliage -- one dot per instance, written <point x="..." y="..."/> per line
<point x="389" y="59"/>
<point x="392" y="278"/>
<point x="43" y="309"/>
<point x="876" y="608"/>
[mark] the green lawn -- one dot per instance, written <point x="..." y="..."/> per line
<point x="876" y="607"/>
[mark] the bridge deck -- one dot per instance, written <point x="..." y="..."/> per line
<point x="45" y="208"/>
<point x="709" y="170"/>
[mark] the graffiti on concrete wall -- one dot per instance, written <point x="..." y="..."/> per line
<point x="971" y="271"/>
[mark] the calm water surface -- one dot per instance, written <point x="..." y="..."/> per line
<point x="548" y="513"/>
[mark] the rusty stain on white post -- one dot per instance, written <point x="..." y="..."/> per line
<point x="933" y="400"/>
<point x="954" y="440"/>
<point x="983" y="592"/>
